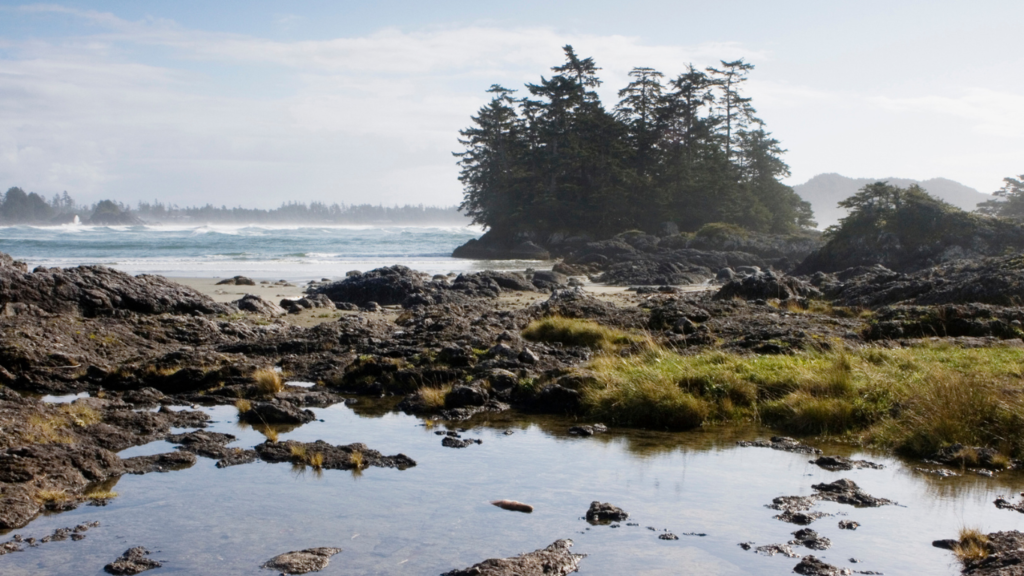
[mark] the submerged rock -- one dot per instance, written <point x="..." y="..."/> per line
<point x="811" y="566"/>
<point x="165" y="462"/>
<point x="811" y="539"/>
<point x="133" y="561"/>
<point x="835" y="463"/>
<point x="1004" y="504"/>
<point x="605" y="513"/>
<point x="783" y="443"/>
<point x="555" y="560"/>
<point x="302" y="561"/>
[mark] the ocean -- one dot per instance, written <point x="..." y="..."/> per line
<point x="294" y="253"/>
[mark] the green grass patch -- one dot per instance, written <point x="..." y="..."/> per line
<point x="573" y="332"/>
<point x="913" y="400"/>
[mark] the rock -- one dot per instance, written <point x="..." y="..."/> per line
<point x="556" y="398"/>
<point x="555" y="560"/>
<point x="471" y="395"/>
<point x="847" y="492"/>
<point x="452" y="442"/>
<point x="549" y="280"/>
<point x="811" y="566"/>
<point x="1004" y="504"/>
<point x="783" y="443"/>
<point x="528" y="356"/>
<point x="605" y="513"/>
<point x="513" y="505"/>
<point x="668" y="536"/>
<point x="276" y="412"/>
<point x="765" y="286"/>
<point x="165" y="462"/>
<point x="773" y="549"/>
<point x="301" y="562"/>
<point x="588" y="430"/>
<point x="385" y="286"/>
<point x="100" y="291"/>
<point x="835" y="463"/>
<point x="237" y="281"/>
<point x="811" y="539"/>
<point x="133" y="561"/>
<point x="334" y="457"/>
<point x="257" y="305"/>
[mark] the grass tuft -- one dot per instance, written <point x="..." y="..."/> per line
<point x="972" y="545"/>
<point x="573" y="332"/>
<point x="357" y="460"/>
<point x="100" y="495"/>
<point x="434" y="398"/>
<point x="51" y="496"/>
<point x="268" y="381"/>
<point x="316" y="460"/>
<point x="243" y="405"/>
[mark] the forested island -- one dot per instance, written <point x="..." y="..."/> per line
<point x="671" y="155"/>
<point x="19" y="207"/>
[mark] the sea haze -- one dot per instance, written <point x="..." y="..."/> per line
<point x="285" y="252"/>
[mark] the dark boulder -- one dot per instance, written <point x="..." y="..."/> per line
<point x="133" y="561"/>
<point x="605" y="513"/>
<point x="276" y="412"/>
<point x="257" y="305"/>
<point x="765" y="286"/>
<point x="302" y="561"/>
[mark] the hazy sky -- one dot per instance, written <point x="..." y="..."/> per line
<point x="257" y="102"/>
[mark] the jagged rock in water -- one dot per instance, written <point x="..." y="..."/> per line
<point x="847" y="492"/>
<point x="811" y="539"/>
<point x="133" y="561"/>
<point x="835" y="463"/>
<point x="352" y="456"/>
<point x="783" y="443"/>
<point x="811" y="566"/>
<point x="302" y="561"/>
<point x="605" y="513"/>
<point x="165" y="462"/>
<point x="555" y="560"/>
<point x="276" y="412"/>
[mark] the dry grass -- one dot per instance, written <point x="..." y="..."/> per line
<point x="269" y="432"/>
<point x="357" y="459"/>
<point x="972" y="545"/>
<point x="316" y="460"/>
<point x="268" y="381"/>
<point x="51" y="496"/>
<point x="915" y="400"/>
<point x="100" y="495"/>
<point x="434" y="398"/>
<point x="298" y="452"/>
<point x="80" y="414"/>
<point x="243" y="405"/>
<point x="573" y="332"/>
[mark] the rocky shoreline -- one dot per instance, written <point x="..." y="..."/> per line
<point x="139" y="345"/>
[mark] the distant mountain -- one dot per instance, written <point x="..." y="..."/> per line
<point x="824" y="191"/>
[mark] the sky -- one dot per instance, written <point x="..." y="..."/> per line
<point x="256" y="103"/>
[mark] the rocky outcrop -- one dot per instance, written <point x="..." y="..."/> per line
<point x="555" y="560"/>
<point x="350" y="457"/>
<point x="133" y="561"/>
<point x="98" y="290"/>
<point x="302" y="561"/>
<point x="766" y="286"/>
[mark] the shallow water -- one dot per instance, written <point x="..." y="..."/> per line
<point x="436" y="516"/>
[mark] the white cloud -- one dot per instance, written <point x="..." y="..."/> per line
<point x="236" y="119"/>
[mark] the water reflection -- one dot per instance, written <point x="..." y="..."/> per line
<point x="437" y="515"/>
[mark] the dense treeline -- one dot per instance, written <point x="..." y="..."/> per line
<point x="688" y="150"/>
<point x="19" y="207"/>
<point x="1008" y="202"/>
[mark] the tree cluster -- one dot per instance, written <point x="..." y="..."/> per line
<point x="19" y="207"/>
<point x="688" y="150"/>
<point x="1008" y="202"/>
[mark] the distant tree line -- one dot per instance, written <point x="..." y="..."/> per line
<point x="19" y="207"/>
<point x="689" y="150"/>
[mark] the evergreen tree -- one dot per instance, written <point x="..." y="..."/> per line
<point x="1008" y="202"/>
